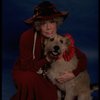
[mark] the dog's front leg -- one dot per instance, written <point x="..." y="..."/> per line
<point x="85" y="96"/>
<point x="59" y="94"/>
<point x="69" y="95"/>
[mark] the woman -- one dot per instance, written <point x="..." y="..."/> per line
<point x="29" y="84"/>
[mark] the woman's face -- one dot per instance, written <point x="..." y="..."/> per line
<point x="48" y="28"/>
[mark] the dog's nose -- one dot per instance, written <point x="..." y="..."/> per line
<point x="56" y="47"/>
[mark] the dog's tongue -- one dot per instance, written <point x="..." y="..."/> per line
<point x="55" y="53"/>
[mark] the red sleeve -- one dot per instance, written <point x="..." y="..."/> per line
<point x="82" y="64"/>
<point x="40" y="63"/>
<point x="26" y="54"/>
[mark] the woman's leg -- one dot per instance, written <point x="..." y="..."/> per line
<point x="31" y="86"/>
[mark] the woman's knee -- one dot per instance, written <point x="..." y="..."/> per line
<point x="25" y="77"/>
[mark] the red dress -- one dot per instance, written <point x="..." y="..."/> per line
<point x="30" y="85"/>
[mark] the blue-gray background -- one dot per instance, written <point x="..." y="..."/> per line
<point x="82" y="24"/>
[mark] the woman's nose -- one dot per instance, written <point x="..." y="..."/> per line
<point x="48" y="26"/>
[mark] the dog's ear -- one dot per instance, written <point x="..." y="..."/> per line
<point x="69" y="43"/>
<point x="45" y="42"/>
<point x="69" y="39"/>
<point x="68" y="54"/>
<point x="46" y="46"/>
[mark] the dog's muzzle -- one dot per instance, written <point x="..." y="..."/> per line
<point x="55" y="50"/>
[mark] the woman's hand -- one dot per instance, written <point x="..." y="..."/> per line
<point x="66" y="76"/>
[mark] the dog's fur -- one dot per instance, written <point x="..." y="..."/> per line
<point x="80" y="85"/>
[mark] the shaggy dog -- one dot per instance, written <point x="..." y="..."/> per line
<point x="80" y="85"/>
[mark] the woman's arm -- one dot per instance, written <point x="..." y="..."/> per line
<point x="26" y="53"/>
<point x="82" y="63"/>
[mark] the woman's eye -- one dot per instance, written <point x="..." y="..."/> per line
<point x="52" y="21"/>
<point x="51" y="39"/>
<point x="61" y="41"/>
<point x="42" y="23"/>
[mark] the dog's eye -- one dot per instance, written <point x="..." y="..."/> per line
<point x="61" y="41"/>
<point x="51" y="39"/>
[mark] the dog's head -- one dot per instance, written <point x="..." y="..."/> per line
<point x="56" y="45"/>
